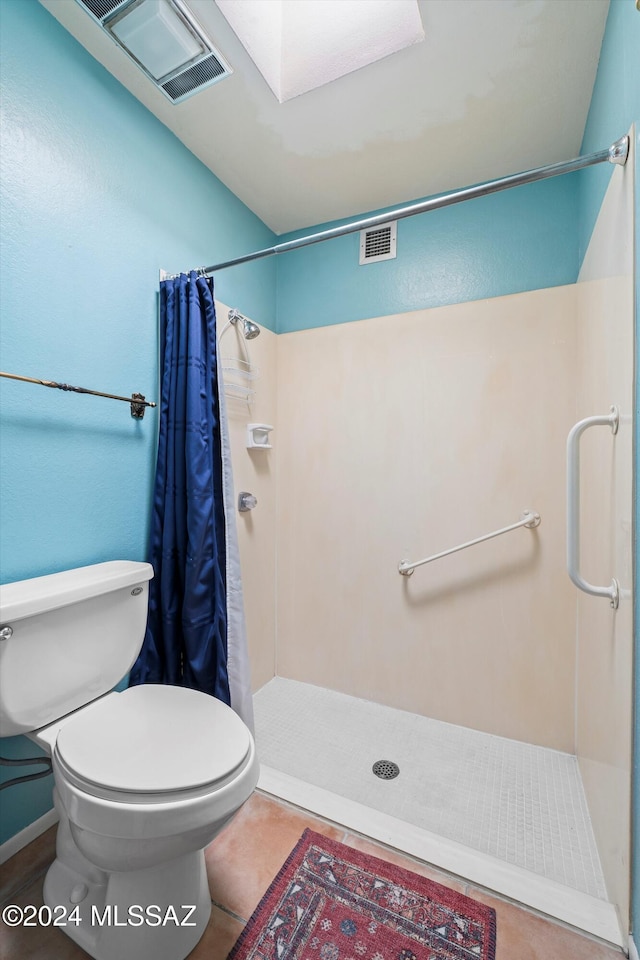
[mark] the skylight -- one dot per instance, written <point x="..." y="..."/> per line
<point x="298" y="45"/>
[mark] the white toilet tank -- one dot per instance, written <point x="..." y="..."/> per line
<point x="68" y="638"/>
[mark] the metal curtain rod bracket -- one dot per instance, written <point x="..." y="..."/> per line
<point x="616" y="153"/>
<point x="136" y="400"/>
<point x="530" y="518"/>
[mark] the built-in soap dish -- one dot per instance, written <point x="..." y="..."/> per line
<point x="258" y="436"/>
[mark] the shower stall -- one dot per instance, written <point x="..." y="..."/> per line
<point x="496" y="694"/>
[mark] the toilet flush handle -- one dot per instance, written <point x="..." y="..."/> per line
<point x="6" y="632"/>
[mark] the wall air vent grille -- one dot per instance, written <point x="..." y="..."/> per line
<point x="201" y="74"/>
<point x="378" y="243"/>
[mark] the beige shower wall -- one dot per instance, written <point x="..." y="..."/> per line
<point x="398" y="437"/>
<point x="254" y="471"/>
<point x="605" y="637"/>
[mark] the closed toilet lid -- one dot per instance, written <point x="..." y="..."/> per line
<point x="154" y="738"/>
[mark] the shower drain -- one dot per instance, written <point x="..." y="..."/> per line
<point x="386" y="769"/>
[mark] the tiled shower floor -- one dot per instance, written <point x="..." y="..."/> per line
<point x="520" y="803"/>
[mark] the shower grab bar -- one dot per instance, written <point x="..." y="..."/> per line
<point x="530" y="518"/>
<point x="573" y="506"/>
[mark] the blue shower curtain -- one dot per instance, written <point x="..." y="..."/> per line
<point x="186" y="641"/>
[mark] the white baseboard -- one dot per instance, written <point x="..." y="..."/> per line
<point x="11" y="846"/>
<point x="633" y="950"/>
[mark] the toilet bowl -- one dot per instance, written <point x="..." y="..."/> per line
<point x="144" y="779"/>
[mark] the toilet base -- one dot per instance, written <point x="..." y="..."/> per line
<point x="137" y="915"/>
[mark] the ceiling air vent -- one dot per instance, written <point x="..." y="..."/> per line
<point x="101" y="9"/>
<point x="162" y="38"/>
<point x="378" y="243"/>
<point x="199" y="75"/>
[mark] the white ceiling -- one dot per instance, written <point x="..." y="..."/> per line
<point x="299" y="46"/>
<point x="497" y="86"/>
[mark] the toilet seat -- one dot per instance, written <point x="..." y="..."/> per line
<point x="152" y="743"/>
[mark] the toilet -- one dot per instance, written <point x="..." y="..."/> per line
<point x="143" y="779"/>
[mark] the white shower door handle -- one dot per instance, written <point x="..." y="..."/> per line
<point x="573" y="506"/>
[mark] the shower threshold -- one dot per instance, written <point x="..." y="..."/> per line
<point x="505" y="815"/>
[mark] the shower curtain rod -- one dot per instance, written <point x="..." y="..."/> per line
<point x="616" y="153"/>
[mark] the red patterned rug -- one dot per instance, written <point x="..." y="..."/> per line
<point x="330" y="902"/>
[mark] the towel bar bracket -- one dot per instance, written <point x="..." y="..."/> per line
<point x="137" y="406"/>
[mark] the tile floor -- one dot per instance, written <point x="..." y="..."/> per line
<point x="241" y="863"/>
<point x="514" y="801"/>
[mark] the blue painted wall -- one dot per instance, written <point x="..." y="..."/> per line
<point x="523" y="239"/>
<point x="97" y="195"/>
<point x="519" y="240"/>
<point x="615" y="106"/>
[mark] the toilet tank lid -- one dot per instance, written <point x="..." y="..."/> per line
<point x="27" y="598"/>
